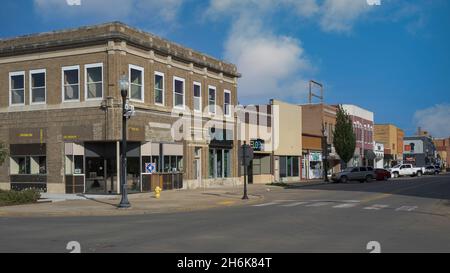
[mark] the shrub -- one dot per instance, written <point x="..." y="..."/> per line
<point x="9" y="198"/>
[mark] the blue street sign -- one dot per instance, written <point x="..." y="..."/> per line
<point x="150" y="168"/>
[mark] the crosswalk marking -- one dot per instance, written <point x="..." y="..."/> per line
<point x="318" y="204"/>
<point x="345" y="206"/>
<point x="266" y="204"/>
<point x="406" y="208"/>
<point x="376" y="207"/>
<point x="295" y="204"/>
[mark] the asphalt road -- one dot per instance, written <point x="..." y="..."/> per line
<point x="403" y="215"/>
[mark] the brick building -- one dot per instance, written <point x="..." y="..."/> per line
<point x="363" y="122"/>
<point x="61" y="116"/>
<point x="319" y="121"/>
<point x="392" y="139"/>
<point x="443" y="151"/>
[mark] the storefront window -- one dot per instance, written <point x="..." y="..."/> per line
<point x="172" y="163"/>
<point x="219" y="163"/>
<point x="289" y="166"/>
<point x="28" y="165"/>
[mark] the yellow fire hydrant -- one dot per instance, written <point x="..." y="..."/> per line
<point x="157" y="192"/>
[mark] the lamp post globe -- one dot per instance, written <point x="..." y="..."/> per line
<point x="123" y="84"/>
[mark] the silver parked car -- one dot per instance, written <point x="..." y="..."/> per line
<point x="362" y="174"/>
<point x="432" y="170"/>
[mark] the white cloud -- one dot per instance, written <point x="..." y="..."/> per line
<point x="342" y="14"/>
<point x="435" y="120"/>
<point x="110" y="9"/>
<point x="271" y="65"/>
<point x="331" y="15"/>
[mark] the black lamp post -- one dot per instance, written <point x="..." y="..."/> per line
<point x="325" y="153"/>
<point x="123" y="83"/>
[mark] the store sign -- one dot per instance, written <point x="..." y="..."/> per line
<point x="257" y="144"/>
<point x="150" y="168"/>
<point x="315" y="157"/>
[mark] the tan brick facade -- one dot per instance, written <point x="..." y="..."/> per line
<point x="115" y="46"/>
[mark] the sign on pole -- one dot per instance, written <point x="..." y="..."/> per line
<point x="248" y="154"/>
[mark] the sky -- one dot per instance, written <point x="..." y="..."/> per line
<point x="391" y="57"/>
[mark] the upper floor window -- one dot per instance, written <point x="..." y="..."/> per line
<point x="37" y="86"/>
<point x="71" y="83"/>
<point x="212" y="99"/>
<point x="197" y="97"/>
<point x="159" y="88"/>
<point x="17" y="88"/>
<point x="226" y="103"/>
<point x="94" y="81"/>
<point x="136" y="83"/>
<point x="178" y="92"/>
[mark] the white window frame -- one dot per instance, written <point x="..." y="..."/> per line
<point x="184" y="92"/>
<point x="141" y="69"/>
<point x="229" y="104"/>
<point x="12" y="74"/>
<point x="86" y="67"/>
<point x="193" y="96"/>
<point x="215" y="100"/>
<point x="157" y="73"/>
<point x="32" y="72"/>
<point x="67" y="68"/>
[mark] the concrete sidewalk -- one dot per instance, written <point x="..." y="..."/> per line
<point x="142" y="203"/>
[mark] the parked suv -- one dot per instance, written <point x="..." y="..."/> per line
<point x="406" y="170"/>
<point x="362" y="174"/>
<point x="432" y="170"/>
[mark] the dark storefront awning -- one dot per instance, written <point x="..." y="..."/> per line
<point x="369" y="154"/>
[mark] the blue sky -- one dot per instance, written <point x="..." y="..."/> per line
<point x="393" y="58"/>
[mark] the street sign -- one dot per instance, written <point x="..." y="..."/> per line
<point x="150" y="168"/>
<point x="248" y="154"/>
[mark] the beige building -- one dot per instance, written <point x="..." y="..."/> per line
<point x="61" y="112"/>
<point x="392" y="139"/>
<point x="274" y="133"/>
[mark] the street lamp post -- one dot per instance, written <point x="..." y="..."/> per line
<point x="325" y="152"/>
<point x="124" y="203"/>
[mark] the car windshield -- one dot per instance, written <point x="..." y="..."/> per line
<point x="396" y="166"/>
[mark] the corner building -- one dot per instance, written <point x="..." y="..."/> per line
<point x="61" y="112"/>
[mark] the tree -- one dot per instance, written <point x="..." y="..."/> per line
<point x="344" y="138"/>
<point x="3" y="153"/>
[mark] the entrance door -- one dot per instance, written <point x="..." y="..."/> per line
<point x="198" y="167"/>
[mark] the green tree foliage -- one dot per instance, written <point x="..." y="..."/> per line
<point x="344" y="137"/>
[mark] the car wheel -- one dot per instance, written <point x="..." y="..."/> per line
<point x="436" y="173"/>
<point x="385" y="178"/>
<point x="368" y="178"/>
<point x="343" y="179"/>
<point x="419" y="174"/>
<point x="395" y="175"/>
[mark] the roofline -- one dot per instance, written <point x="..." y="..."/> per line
<point x="12" y="50"/>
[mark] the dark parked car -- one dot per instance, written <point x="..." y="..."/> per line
<point x="362" y="174"/>
<point x="432" y="170"/>
<point x="382" y="174"/>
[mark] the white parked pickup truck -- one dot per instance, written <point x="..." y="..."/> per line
<point x="406" y="170"/>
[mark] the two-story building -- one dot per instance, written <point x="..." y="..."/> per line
<point x="363" y="121"/>
<point x="61" y="112"/>
<point x="392" y="138"/>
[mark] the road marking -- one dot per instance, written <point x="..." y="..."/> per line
<point x="294" y="204"/>
<point x="266" y="204"/>
<point x="345" y="206"/>
<point x="226" y="203"/>
<point x="318" y="204"/>
<point x="406" y="208"/>
<point x="376" y="207"/>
